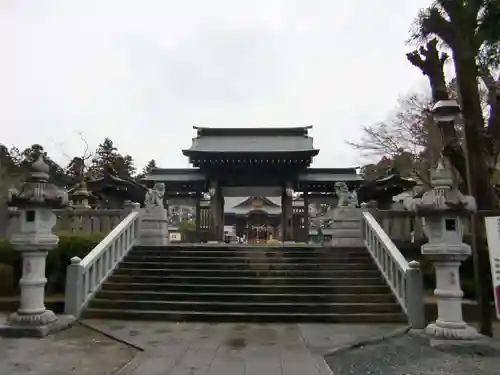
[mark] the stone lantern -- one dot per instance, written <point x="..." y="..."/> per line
<point x="35" y="202"/>
<point x="80" y="197"/>
<point x="443" y="209"/>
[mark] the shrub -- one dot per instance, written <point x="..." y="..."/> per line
<point x="70" y="245"/>
<point x="272" y="242"/>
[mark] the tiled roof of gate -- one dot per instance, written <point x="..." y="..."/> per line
<point x="244" y="140"/>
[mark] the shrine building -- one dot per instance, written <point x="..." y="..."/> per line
<point x="255" y="180"/>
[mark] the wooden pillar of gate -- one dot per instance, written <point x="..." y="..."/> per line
<point x="198" y="217"/>
<point x="287" y="213"/>
<point x="306" y="215"/>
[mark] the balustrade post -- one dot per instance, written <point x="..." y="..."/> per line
<point x="73" y="294"/>
<point x="414" y="295"/>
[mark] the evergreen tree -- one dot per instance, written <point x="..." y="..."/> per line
<point x="148" y="169"/>
<point x="104" y="157"/>
<point x="107" y="158"/>
<point x="124" y="166"/>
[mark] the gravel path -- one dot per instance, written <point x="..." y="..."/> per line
<point x="412" y="355"/>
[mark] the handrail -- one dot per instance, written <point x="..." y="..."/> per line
<point x="85" y="276"/>
<point x="404" y="278"/>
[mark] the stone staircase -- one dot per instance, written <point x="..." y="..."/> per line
<point x="247" y="284"/>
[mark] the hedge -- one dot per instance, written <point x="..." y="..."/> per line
<point x="413" y="252"/>
<point x="70" y="245"/>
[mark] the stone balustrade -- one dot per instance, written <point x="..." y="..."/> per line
<point x="79" y="220"/>
<point x="85" y="276"/>
<point x="405" y="226"/>
<point x="404" y="278"/>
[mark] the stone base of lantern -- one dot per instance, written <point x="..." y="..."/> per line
<point x="35" y="325"/>
<point x="447" y="331"/>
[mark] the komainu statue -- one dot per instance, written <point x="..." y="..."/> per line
<point x="154" y="197"/>
<point x="345" y="197"/>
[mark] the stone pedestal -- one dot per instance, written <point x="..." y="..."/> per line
<point x="346" y="227"/>
<point x="153" y="229"/>
<point x="450" y="323"/>
<point x="34" y="239"/>
<point x="32" y="319"/>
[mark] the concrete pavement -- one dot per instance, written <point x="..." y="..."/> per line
<point x="246" y="349"/>
<point x="182" y="348"/>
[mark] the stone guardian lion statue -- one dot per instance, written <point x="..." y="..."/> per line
<point x="345" y="197"/>
<point x="154" y="198"/>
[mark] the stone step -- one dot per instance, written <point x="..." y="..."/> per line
<point x="242" y="247"/>
<point x="147" y="295"/>
<point x="337" y="258"/>
<point x="160" y="277"/>
<point x="220" y="283"/>
<point x="368" y="266"/>
<point x="248" y="272"/>
<point x="184" y="287"/>
<point x="247" y="317"/>
<point x="248" y="307"/>
<point x="279" y="252"/>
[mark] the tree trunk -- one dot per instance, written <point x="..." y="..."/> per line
<point x="431" y="63"/>
<point x="493" y="126"/>
<point x="480" y="186"/>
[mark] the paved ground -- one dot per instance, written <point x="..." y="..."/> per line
<point x="182" y="348"/>
<point x="234" y="349"/>
<point x="220" y="349"/>
<point x="75" y="351"/>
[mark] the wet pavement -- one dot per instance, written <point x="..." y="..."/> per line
<point x="74" y="351"/>
<point x="223" y="349"/>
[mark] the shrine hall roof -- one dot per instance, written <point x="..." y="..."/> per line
<point x="251" y="140"/>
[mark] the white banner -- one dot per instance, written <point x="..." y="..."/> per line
<point x="493" y="235"/>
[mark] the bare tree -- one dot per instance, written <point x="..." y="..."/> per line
<point x="77" y="166"/>
<point x="409" y="138"/>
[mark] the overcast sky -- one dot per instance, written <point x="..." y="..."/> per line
<point x="144" y="72"/>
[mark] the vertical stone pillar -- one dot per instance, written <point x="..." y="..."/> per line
<point x="34" y="239"/>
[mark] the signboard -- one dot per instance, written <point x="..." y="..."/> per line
<point x="493" y="235"/>
<point x="175" y="237"/>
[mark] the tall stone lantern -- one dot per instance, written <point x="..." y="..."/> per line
<point x="35" y="202"/>
<point x="443" y="209"/>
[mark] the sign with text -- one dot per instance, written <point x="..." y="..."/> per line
<point x="493" y="235"/>
<point x="175" y="237"/>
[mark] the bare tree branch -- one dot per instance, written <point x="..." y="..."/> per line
<point x="85" y="156"/>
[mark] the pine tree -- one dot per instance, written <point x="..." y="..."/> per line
<point x="124" y="166"/>
<point x="148" y="169"/>
<point x="105" y="156"/>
